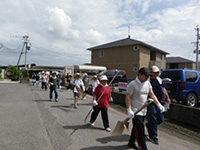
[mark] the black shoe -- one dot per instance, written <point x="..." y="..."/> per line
<point x="133" y="146"/>
<point x="154" y="141"/>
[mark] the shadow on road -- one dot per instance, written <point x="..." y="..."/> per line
<point x="122" y="147"/>
<point x="105" y="140"/>
<point x="42" y="100"/>
<point x="78" y="127"/>
<point x="64" y="108"/>
<point x="120" y="138"/>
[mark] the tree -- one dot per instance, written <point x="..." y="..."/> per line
<point x="25" y="74"/>
<point x="14" y="73"/>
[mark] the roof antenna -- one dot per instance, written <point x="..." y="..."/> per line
<point x="129" y="32"/>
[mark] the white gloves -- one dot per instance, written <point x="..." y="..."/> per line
<point x="162" y="109"/>
<point x="95" y="103"/>
<point x="166" y="105"/>
<point x="130" y="113"/>
<point x="111" y="99"/>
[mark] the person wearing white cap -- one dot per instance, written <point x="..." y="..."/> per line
<point x="137" y="93"/>
<point x="54" y="84"/>
<point x="101" y="97"/>
<point x="78" y="84"/>
<point x="94" y="82"/>
<point x="154" y="115"/>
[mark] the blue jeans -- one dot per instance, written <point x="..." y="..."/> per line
<point x="51" y="94"/>
<point x="154" y="118"/>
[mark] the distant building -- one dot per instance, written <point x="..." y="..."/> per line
<point x="129" y="55"/>
<point x="179" y="63"/>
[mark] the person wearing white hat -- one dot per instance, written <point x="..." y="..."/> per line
<point x="137" y="93"/>
<point x="101" y="97"/>
<point x="54" y="84"/>
<point x="94" y="83"/>
<point x="154" y="115"/>
<point x="78" y="84"/>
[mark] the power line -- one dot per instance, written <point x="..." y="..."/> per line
<point x="50" y="50"/>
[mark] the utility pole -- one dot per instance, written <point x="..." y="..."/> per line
<point x="26" y="46"/>
<point x="197" y="46"/>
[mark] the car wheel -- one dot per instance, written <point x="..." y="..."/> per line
<point x="191" y="100"/>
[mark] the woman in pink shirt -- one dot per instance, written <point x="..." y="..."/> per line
<point x="101" y="99"/>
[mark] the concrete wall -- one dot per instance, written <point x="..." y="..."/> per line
<point x="181" y="113"/>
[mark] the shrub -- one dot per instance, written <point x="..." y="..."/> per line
<point x="25" y="74"/>
<point x="14" y="73"/>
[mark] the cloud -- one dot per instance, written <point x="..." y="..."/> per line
<point x="94" y="37"/>
<point x="60" y="24"/>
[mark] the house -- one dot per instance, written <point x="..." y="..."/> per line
<point x="179" y="63"/>
<point x="129" y="55"/>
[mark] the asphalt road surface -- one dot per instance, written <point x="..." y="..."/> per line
<point x="29" y="121"/>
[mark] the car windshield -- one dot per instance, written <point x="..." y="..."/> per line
<point x="102" y="73"/>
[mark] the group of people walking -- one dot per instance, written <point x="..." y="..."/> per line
<point x="48" y="80"/>
<point x="138" y="91"/>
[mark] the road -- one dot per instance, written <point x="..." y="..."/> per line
<point x="29" y="121"/>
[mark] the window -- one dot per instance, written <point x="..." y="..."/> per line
<point x="191" y="76"/>
<point x="101" y="53"/>
<point x="173" y="75"/>
<point x="153" y="55"/>
<point x="162" y="57"/>
<point x="173" y="66"/>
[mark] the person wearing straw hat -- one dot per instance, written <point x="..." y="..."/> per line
<point x="101" y="97"/>
<point x="137" y="93"/>
<point x="154" y="115"/>
<point x="78" y="85"/>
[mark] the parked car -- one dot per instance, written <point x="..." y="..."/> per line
<point x="184" y="85"/>
<point x="121" y="76"/>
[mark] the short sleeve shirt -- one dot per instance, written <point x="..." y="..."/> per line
<point x="78" y="83"/>
<point x="139" y="93"/>
<point x="104" y="100"/>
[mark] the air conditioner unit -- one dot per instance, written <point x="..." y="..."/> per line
<point x="136" y="48"/>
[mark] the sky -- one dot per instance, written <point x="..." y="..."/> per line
<point x="60" y="31"/>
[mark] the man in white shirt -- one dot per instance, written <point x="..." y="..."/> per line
<point x="137" y="93"/>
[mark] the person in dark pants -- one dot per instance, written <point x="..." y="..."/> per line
<point x="137" y="93"/>
<point x="102" y="94"/>
<point x="54" y="84"/>
<point x="154" y="115"/>
<point x="44" y="81"/>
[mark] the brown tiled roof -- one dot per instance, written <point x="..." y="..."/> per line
<point x="125" y="42"/>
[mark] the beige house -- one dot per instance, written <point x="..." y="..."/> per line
<point x="179" y="63"/>
<point x="129" y="55"/>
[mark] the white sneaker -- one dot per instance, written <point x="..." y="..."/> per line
<point x="108" y="129"/>
<point x="56" y="100"/>
<point x="92" y="124"/>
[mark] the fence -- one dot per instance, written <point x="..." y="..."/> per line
<point x="177" y="112"/>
